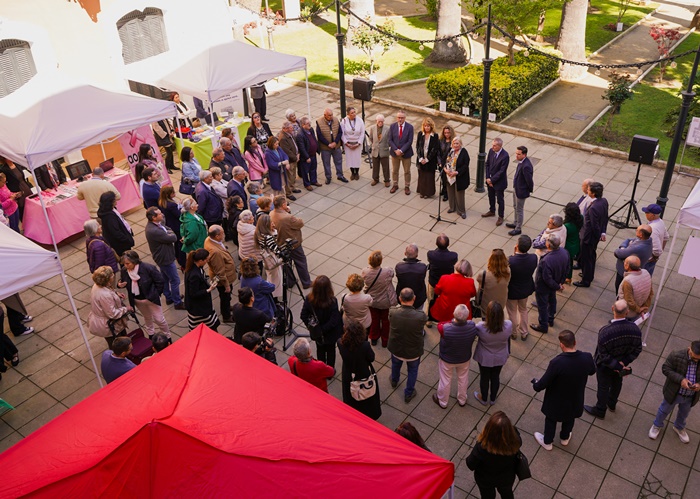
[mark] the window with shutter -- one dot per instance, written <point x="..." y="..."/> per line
<point x="142" y="34"/>
<point x="16" y="65"/>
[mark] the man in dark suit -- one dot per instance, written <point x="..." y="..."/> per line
<point x="218" y="161"/>
<point x="551" y="274"/>
<point x="564" y="383"/>
<point x="595" y="224"/>
<point x="521" y="285"/>
<point x="308" y="148"/>
<point x="232" y="154"/>
<point x="441" y="261"/>
<point x="640" y="246"/>
<point x="235" y="187"/>
<point x="210" y="207"/>
<point x="619" y="344"/>
<point x="289" y="146"/>
<point x="496" y="178"/>
<point x="523" y="184"/>
<point x="411" y="274"/>
<point x="401" y="145"/>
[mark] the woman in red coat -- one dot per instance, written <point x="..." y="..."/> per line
<point x="452" y="290"/>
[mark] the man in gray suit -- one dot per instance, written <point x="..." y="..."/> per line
<point x="640" y="246"/>
<point x="379" y="142"/>
<point x="401" y="145"/>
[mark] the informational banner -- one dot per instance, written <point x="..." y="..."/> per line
<point x="693" y="138"/>
<point x="131" y="141"/>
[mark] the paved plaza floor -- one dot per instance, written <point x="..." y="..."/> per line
<point x="343" y="223"/>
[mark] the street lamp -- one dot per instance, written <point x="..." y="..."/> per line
<point x="341" y="61"/>
<point x="481" y="159"/>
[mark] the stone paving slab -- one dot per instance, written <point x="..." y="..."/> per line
<point x="344" y="222"/>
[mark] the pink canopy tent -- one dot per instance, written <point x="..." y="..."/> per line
<point x="207" y="418"/>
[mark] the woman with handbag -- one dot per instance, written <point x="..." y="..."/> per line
<point x="106" y="306"/>
<point x="360" y="384"/>
<point x="355" y="306"/>
<point x="266" y="242"/>
<point x="255" y="156"/>
<point x="379" y="285"/>
<point x="322" y="318"/>
<point x="190" y="171"/>
<point x="496" y="456"/>
<point x="494" y="280"/>
<point x="144" y="284"/>
<point x="198" y="302"/>
<point x="277" y="163"/>
<point x="492" y="351"/>
<point x="427" y="152"/>
<point x="193" y="228"/>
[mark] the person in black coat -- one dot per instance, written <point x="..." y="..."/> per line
<point x="494" y="457"/>
<point x="523" y="185"/>
<point x="357" y="357"/>
<point x="496" y="172"/>
<point x="322" y="304"/>
<point x="247" y="317"/>
<point x="457" y="176"/>
<point x="441" y="261"/>
<point x="169" y="206"/>
<point x="564" y="383"/>
<point x="115" y="229"/>
<point x="427" y="152"/>
<point x="198" y="302"/>
<point x="521" y="285"/>
<point x="595" y="224"/>
<point x="551" y="275"/>
<point x="411" y="274"/>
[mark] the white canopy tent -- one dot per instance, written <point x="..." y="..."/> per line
<point x="52" y="115"/>
<point x="215" y="72"/>
<point x="689" y="216"/>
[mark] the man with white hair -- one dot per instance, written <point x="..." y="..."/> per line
<point x="217" y="160"/>
<point x="289" y="146"/>
<point x="232" y="154"/>
<point x="380" y="150"/>
<point x="210" y="207"/>
<point x="456" y="339"/>
<point x="411" y="274"/>
<point x="308" y="147"/>
<point x="550" y="277"/>
<point x="304" y="366"/>
<point x="330" y="136"/>
<point x="91" y="190"/>
<point x="555" y="226"/>
<point x="496" y="174"/>
<point x="235" y="187"/>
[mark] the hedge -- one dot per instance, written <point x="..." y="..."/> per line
<point x="510" y="85"/>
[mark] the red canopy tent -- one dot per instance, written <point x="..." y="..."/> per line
<point x="207" y="418"/>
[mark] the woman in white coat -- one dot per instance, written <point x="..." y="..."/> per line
<point x="353" y="138"/>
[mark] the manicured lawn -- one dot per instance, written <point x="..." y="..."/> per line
<point x="316" y="41"/>
<point x="596" y="34"/>
<point x="644" y="114"/>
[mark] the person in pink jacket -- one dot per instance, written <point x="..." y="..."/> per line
<point x="106" y="305"/>
<point x="255" y="156"/>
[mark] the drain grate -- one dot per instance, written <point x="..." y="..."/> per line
<point x="556" y="120"/>
<point x="579" y="117"/>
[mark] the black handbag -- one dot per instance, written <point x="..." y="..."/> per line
<point x="314" y="327"/>
<point x="476" y="302"/>
<point x="522" y="467"/>
<point x="186" y="186"/>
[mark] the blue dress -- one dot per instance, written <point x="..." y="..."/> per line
<point x="262" y="290"/>
<point x="274" y="158"/>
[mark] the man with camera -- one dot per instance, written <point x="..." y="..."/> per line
<point x="246" y="317"/>
<point x="289" y="227"/>
<point x="259" y="345"/>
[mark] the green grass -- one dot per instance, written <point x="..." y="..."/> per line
<point x="644" y="114"/>
<point x="316" y="41"/>
<point x="596" y="34"/>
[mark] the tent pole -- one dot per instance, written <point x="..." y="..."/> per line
<point x="661" y="285"/>
<point x="308" y="99"/>
<point x="213" y="123"/>
<point x="63" y="278"/>
<point x="451" y="491"/>
<point x="104" y="156"/>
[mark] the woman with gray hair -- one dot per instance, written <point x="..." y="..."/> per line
<point x="98" y="252"/>
<point x="246" y="237"/>
<point x="105" y="306"/>
<point x="193" y="228"/>
<point x="304" y="366"/>
<point x="255" y="191"/>
<point x="292" y="118"/>
<point x="456" y="340"/>
<point x="452" y="290"/>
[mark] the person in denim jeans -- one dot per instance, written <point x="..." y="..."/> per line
<point x="406" y="341"/>
<point x="682" y="388"/>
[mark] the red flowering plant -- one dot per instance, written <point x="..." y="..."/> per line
<point x="664" y="38"/>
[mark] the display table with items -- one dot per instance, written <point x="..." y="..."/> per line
<point x="204" y="147"/>
<point x="67" y="213"/>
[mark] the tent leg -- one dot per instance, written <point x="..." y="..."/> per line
<point x="104" y="155"/>
<point x="308" y="99"/>
<point x="63" y="278"/>
<point x="661" y="285"/>
<point x="451" y="492"/>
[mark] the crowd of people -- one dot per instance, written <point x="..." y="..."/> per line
<point x="228" y="226"/>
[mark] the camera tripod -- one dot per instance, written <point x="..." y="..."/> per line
<point x="289" y="280"/>
<point x="438" y="218"/>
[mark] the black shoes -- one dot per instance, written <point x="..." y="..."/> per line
<point x="510" y="225"/>
<point x="514" y="232"/>
<point x="343" y="179"/>
<point x="538" y="328"/>
<point x="581" y="284"/>
<point x="410" y="397"/>
<point x="594" y="412"/>
<point x="293" y="198"/>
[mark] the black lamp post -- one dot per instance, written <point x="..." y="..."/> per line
<point x="688" y="96"/>
<point x="341" y="61"/>
<point x="481" y="160"/>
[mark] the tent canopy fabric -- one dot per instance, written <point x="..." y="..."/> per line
<point x="214" y="72"/>
<point x="52" y="115"/>
<point x="24" y="263"/>
<point x="690" y="212"/>
<point x="205" y="417"/>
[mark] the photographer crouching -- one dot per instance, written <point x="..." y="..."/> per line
<point x="246" y="317"/>
<point x="260" y="345"/>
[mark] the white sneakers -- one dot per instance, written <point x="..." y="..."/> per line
<point x="654" y="432"/>
<point x="540" y="440"/>
<point x="566" y="442"/>
<point x="682" y="434"/>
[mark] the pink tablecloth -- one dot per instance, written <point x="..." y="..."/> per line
<point x="68" y="215"/>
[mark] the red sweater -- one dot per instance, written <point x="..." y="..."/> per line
<point x="314" y="372"/>
<point x="451" y="290"/>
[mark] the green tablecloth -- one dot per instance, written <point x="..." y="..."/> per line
<point x="203" y="148"/>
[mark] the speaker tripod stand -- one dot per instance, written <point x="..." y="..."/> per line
<point x="631" y="207"/>
<point x="438" y="218"/>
